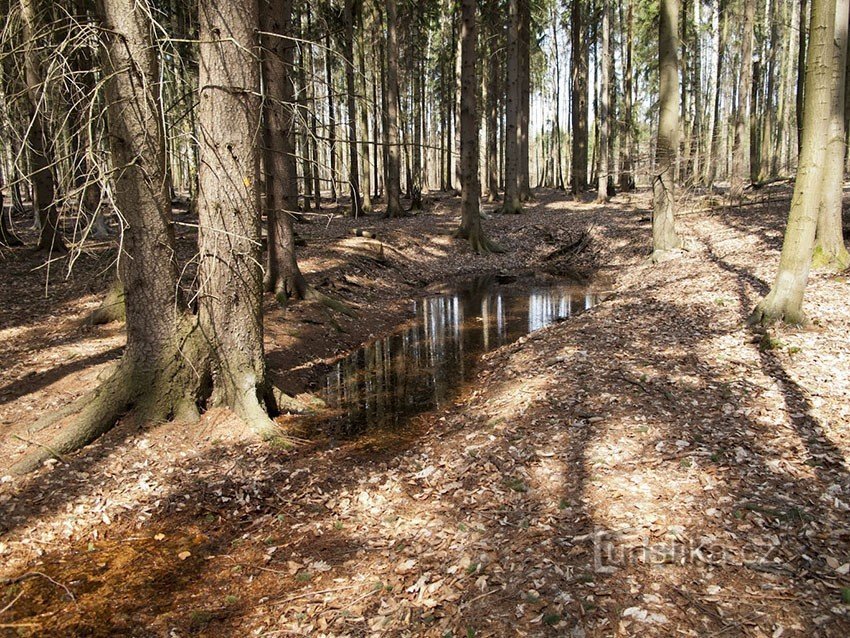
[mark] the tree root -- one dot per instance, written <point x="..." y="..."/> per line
<point x="770" y="311"/>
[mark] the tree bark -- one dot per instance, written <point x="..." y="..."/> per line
<point x="664" y="235"/>
<point x="578" y="73"/>
<point x="230" y="291"/>
<point x="830" y="251"/>
<point x="627" y="157"/>
<point x="801" y="71"/>
<point x="163" y="371"/>
<point x="470" y="227"/>
<point x="393" y="186"/>
<point x="283" y="277"/>
<point x="784" y="302"/>
<point x="524" y="98"/>
<point x="604" y="106"/>
<point x="353" y="169"/>
<point x="511" y="202"/>
<point x="38" y="135"/>
<point x="740" y="152"/>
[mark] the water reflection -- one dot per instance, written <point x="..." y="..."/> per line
<point x="425" y="364"/>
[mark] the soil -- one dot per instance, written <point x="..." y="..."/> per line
<point x="650" y="467"/>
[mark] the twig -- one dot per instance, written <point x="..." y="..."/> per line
<point x="14" y="600"/>
<point x="313" y="593"/>
<point x="28" y="575"/>
<point x="46" y="447"/>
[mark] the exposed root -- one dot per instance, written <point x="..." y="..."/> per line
<point x="311" y="294"/>
<point x="480" y="244"/>
<point x="301" y="404"/>
<point x="94" y="414"/>
<point x="770" y="311"/>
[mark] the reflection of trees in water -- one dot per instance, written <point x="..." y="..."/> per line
<point x="426" y="364"/>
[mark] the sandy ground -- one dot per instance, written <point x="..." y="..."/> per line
<point x="651" y="467"/>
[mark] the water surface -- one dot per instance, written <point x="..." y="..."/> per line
<point x="427" y="361"/>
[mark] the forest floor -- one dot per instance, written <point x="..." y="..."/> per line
<point x="649" y="467"/>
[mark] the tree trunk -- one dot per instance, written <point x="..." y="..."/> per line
<point x="829" y="251"/>
<point x="604" y="106"/>
<point x="353" y="171"/>
<point x="38" y="136"/>
<point x="627" y="156"/>
<point x="740" y="152"/>
<point x="470" y="227"/>
<point x="230" y="291"/>
<point x="579" y="64"/>
<point x="784" y="302"/>
<point x="393" y="186"/>
<point x="366" y="175"/>
<point x="283" y="277"/>
<point x="524" y="98"/>
<point x="331" y="116"/>
<point x="713" y="154"/>
<point x="163" y="371"/>
<point x="513" y="91"/>
<point x="559" y="180"/>
<point x="493" y="86"/>
<point x="801" y="72"/>
<point x="664" y="235"/>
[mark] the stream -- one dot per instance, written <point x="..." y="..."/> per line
<point x="427" y="361"/>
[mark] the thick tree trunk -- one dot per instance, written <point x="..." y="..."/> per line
<point x="513" y="91"/>
<point x="470" y="227"/>
<point x="784" y="302"/>
<point x="38" y="136"/>
<point x="740" y="152"/>
<point x="664" y="235"/>
<point x="163" y="371"/>
<point x="394" y="208"/>
<point x="829" y="251"/>
<point x="230" y="292"/>
<point x="578" y="74"/>
<point x="604" y="106"/>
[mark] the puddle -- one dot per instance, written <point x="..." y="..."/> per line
<point x="427" y="361"/>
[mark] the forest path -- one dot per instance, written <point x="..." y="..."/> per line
<point x="649" y="467"/>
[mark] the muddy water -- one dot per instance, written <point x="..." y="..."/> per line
<point x="426" y="362"/>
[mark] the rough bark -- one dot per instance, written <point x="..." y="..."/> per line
<point x="664" y="235"/>
<point x="162" y="373"/>
<point x="470" y="227"/>
<point x="366" y="172"/>
<point x="493" y="87"/>
<point x="604" y="106"/>
<point x="627" y="155"/>
<point x="353" y="161"/>
<point x="394" y="208"/>
<point x="559" y="181"/>
<point x="511" y="202"/>
<point x="283" y="277"/>
<point x="784" y="302"/>
<point x="830" y="251"/>
<point x="578" y="74"/>
<point x="38" y="135"/>
<point x="524" y="179"/>
<point x="713" y="151"/>
<point x="230" y="292"/>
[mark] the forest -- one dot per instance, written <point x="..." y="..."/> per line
<point x="469" y="318"/>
